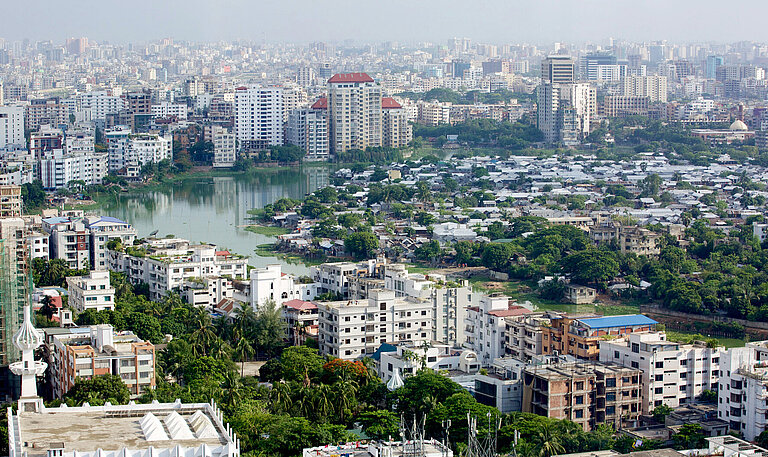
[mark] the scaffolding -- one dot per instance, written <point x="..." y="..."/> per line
<point x="12" y="298"/>
<point x="412" y="437"/>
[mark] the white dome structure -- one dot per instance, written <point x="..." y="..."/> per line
<point x="738" y="126"/>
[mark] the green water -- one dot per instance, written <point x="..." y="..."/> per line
<point x="213" y="209"/>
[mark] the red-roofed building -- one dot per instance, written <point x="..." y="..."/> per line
<point x="301" y="317"/>
<point x="390" y="103"/>
<point x="396" y="130"/>
<point x="321" y="103"/>
<point x="354" y="112"/>
<point x="350" y="78"/>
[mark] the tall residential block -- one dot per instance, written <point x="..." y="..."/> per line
<point x="12" y="126"/>
<point x="308" y="129"/>
<point x="259" y="116"/>
<point x="354" y="112"/>
<point x="653" y="87"/>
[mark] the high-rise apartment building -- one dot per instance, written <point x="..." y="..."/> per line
<point x="44" y="111"/>
<point x="653" y="87"/>
<point x="354" y="112"/>
<point x="743" y="389"/>
<point x="58" y="168"/>
<point x="548" y="103"/>
<point x="11" y="126"/>
<point x="126" y="150"/>
<point x="396" y="130"/>
<point x="224" y="147"/>
<point x="558" y="69"/>
<point x="259" y="116"/>
<point x="308" y="129"/>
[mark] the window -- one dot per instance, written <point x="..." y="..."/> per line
<point x="635" y="365"/>
<point x="616" y="354"/>
<point x="578" y="399"/>
<point x="578" y="414"/>
<point x="610" y="382"/>
<point x="579" y="385"/>
<point x="659" y="364"/>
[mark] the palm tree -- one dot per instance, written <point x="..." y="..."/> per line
<point x="245" y="321"/>
<point x="202" y="337"/>
<point x="322" y="397"/>
<point x="244" y="351"/>
<point x="280" y="397"/>
<point x="231" y="386"/>
<point x="548" y="441"/>
<point x="344" y="391"/>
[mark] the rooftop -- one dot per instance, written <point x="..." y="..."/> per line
<point x="629" y="320"/>
<point x="351" y="78"/>
<point x="116" y="427"/>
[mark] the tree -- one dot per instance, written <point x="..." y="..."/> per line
<point x="98" y="390"/>
<point x="429" y="251"/>
<point x="548" y="442"/>
<point x="362" y="245"/>
<point x="425" y="219"/>
<point x="269" y="328"/>
<point x="660" y="413"/>
<point x="294" y="364"/>
<point x="244" y="351"/>
<point x="496" y="256"/>
<point x="591" y="266"/>
<point x="689" y="436"/>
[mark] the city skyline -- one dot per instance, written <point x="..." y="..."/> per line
<point x="305" y="21"/>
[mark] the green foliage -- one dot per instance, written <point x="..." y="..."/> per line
<point x="591" y="266"/>
<point x="362" y="245"/>
<point x="98" y="390"/>
<point x="660" y="413"/>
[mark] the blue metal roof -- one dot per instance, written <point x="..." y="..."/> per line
<point x="56" y="220"/>
<point x="630" y="320"/>
<point x="113" y="220"/>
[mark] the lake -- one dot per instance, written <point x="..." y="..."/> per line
<point x="214" y="209"/>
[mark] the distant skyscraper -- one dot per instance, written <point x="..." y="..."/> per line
<point x="713" y="62"/>
<point x="653" y="87"/>
<point x="308" y="129"/>
<point x="590" y="63"/>
<point x="558" y="69"/>
<point x="324" y="73"/>
<point x="354" y="112"/>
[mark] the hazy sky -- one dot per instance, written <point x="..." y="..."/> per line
<point x="500" y="21"/>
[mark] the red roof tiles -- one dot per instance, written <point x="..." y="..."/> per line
<point x="351" y="78"/>
<point x="388" y="103"/>
<point x="299" y="304"/>
<point x="321" y="103"/>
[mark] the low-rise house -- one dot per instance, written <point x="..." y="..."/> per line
<point x="91" y="292"/>
<point x="578" y="294"/>
<point x="300" y="317"/>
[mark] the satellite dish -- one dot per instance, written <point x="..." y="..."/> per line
<point x="153" y="233"/>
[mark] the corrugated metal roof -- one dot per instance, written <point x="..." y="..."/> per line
<point x="630" y="320"/>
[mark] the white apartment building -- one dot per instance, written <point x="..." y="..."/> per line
<point x="259" y="116"/>
<point x="12" y="126"/>
<point x="351" y="329"/>
<point x="99" y="103"/>
<point x="433" y="113"/>
<point x="148" y="148"/>
<point x="450" y="300"/>
<point x="165" y="110"/>
<point x="396" y="130"/>
<point x="79" y="142"/>
<point x="82" y="242"/>
<point x="674" y="374"/>
<point x="485" y="327"/>
<point x="743" y="389"/>
<point x="91" y="292"/>
<point x="653" y="87"/>
<point x="308" y="129"/>
<point x="408" y="359"/>
<point x="294" y="97"/>
<point x="354" y="112"/>
<point x="164" y="264"/>
<point x="207" y="292"/>
<point x="334" y="277"/>
<point x="224" y="147"/>
<point x="117" y="146"/>
<point x="58" y="168"/>
<point x="548" y="103"/>
<point x="39" y="245"/>
<point x="269" y="283"/>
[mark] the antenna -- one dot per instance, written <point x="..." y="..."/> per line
<point x="485" y="447"/>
